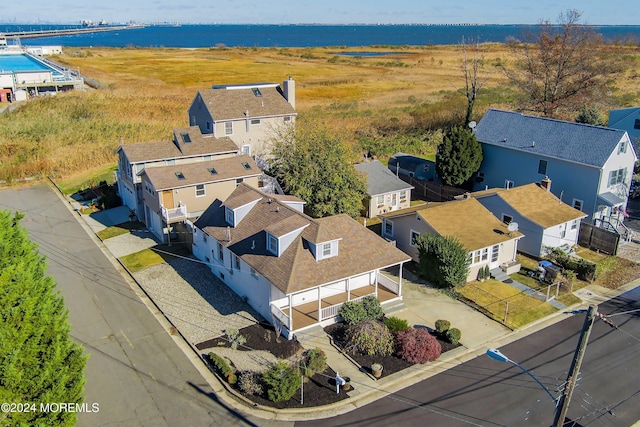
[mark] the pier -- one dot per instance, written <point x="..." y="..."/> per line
<point x="70" y="31"/>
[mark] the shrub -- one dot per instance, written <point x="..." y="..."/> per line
<point x="370" y="337"/>
<point x="443" y="260"/>
<point x="314" y="361"/>
<point x="282" y="381"/>
<point x="373" y="308"/>
<point x="250" y="383"/>
<point x="453" y="335"/>
<point x="417" y="346"/>
<point x="442" y="326"/>
<point x="585" y="270"/>
<point x="353" y="312"/>
<point x="396" y="324"/>
<point x="221" y="365"/>
<point x="234" y="337"/>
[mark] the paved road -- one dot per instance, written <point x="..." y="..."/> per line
<point x="135" y="373"/>
<point x="484" y="392"/>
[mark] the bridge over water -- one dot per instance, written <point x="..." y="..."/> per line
<point x="69" y="31"/>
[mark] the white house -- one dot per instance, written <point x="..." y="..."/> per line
<point x="488" y="240"/>
<point x="545" y="221"/>
<point x="296" y="271"/>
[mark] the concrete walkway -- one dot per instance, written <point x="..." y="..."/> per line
<point x="500" y="275"/>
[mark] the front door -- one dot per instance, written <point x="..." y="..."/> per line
<point x="167" y="199"/>
<point x="394" y="200"/>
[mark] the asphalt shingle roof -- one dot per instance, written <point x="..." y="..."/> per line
<point x="164" y="177"/>
<point x="380" y="180"/>
<point x="230" y="104"/>
<point x="576" y="142"/>
<point x="536" y="204"/>
<point x="360" y="250"/>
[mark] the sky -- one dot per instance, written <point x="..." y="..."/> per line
<point x="595" y="12"/>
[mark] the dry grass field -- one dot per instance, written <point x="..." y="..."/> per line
<point x="147" y="93"/>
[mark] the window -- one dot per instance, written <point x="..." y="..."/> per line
<point x="246" y="149"/>
<point x="208" y="125"/>
<point x="495" y="251"/>
<point x="200" y="191"/>
<point x="574" y="224"/>
<point x="220" y="252"/>
<point x="286" y="118"/>
<point x="253" y="273"/>
<point x="622" y="148"/>
<point x="484" y="254"/>
<point x="272" y="244"/>
<point x="577" y="204"/>
<point x="380" y="201"/>
<point x="413" y="237"/>
<point x="508" y="184"/>
<point x="171" y="162"/>
<point x="507" y="218"/>
<point x="229" y="216"/>
<point x="228" y="128"/>
<point x="617" y="177"/>
<point x="185" y="138"/>
<point x="636" y="125"/>
<point x="180" y="175"/>
<point x="403" y="196"/>
<point x="207" y="157"/>
<point x="239" y="181"/>
<point x="480" y="177"/>
<point x="212" y="171"/>
<point x="476" y="257"/>
<point x="326" y="250"/>
<point x="246" y="165"/>
<point x="255" y="121"/>
<point x="542" y="167"/>
<point x="256" y="92"/>
<point x="388" y="228"/>
<point x="236" y="262"/>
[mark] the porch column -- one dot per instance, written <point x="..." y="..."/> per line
<point x="400" y="281"/>
<point x="290" y="315"/>
<point x="319" y="304"/>
<point x="376" y="284"/>
<point x="348" y="289"/>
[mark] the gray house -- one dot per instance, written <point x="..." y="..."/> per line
<point x="590" y="166"/>
<point x="415" y="167"/>
<point x="385" y="191"/>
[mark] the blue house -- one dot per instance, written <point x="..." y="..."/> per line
<point x="415" y="167"/>
<point x="627" y="119"/>
<point x="590" y="166"/>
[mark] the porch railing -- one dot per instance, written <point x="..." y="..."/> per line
<point x="332" y="311"/>
<point x="280" y="315"/>
<point x="389" y="283"/>
<point x="170" y="215"/>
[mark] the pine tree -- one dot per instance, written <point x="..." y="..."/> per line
<point x="459" y="156"/>
<point x="39" y="362"/>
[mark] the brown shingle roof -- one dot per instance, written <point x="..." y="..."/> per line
<point x="296" y="269"/>
<point x="536" y="204"/>
<point x="164" y="177"/>
<point x="201" y="145"/>
<point x="467" y="220"/>
<point x="229" y="104"/>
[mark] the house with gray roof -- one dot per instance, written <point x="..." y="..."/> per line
<point x="627" y="119"/>
<point x="179" y="192"/>
<point x="246" y="113"/>
<point x="296" y="271"/>
<point x="385" y="191"/>
<point x="590" y="166"/>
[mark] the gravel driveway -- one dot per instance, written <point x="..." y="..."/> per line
<point x="195" y="301"/>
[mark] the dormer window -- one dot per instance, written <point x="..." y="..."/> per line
<point x="272" y="244"/>
<point x="326" y="250"/>
<point x="229" y="216"/>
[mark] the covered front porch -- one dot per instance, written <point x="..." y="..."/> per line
<point x="306" y="312"/>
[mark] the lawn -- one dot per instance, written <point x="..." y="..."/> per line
<point x="148" y="257"/>
<point x="89" y="178"/>
<point x="120" y="229"/>
<point x="502" y="301"/>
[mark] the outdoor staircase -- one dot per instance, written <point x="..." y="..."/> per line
<point x="498" y="274"/>
<point x="392" y="307"/>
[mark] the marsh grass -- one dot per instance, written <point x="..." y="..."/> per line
<point x="149" y="91"/>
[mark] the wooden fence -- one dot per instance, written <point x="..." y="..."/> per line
<point x="596" y="238"/>
<point x="431" y="191"/>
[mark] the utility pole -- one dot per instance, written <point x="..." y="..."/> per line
<point x="565" y="397"/>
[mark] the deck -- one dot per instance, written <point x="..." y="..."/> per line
<point x="307" y="314"/>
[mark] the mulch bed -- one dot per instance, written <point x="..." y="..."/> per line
<point x="391" y="364"/>
<point x="319" y="390"/>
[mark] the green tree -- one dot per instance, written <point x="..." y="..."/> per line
<point x="590" y="116"/>
<point x="459" y="156"/>
<point x="561" y="67"/>
<point x="39" y="362"/>
<point x="443" y="260"/>
<point x="316" y="165"/>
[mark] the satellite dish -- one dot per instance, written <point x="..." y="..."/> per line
<point x="472" y="124"/>
<point x="512" y="226"/>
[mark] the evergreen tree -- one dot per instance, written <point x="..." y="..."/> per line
<point x="443" y="260"/>
<point x="590" y="116"/>
<point x="459" y="156"/>
<point x="39" y="362"/>
<point x="316" y="165"/>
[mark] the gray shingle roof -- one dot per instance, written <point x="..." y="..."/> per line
<point x="380" y="180"/>
<point x="576" y="142"/>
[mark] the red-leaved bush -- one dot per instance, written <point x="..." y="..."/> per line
<point x="417" y="346"/>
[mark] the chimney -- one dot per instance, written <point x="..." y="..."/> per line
<point x="289" y="88"/>
<point x="546" y="183"/>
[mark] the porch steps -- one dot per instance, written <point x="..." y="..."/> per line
<point x="498" y="274"/>
<point x="393" y="307"/>
<point x="310" y="334"/>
